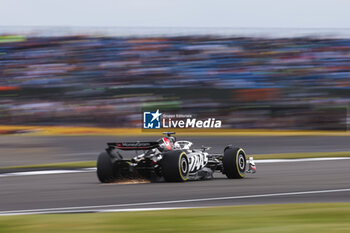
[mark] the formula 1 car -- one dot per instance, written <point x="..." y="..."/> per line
<point x="170" y="160"/>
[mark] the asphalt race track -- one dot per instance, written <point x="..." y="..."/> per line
<point x="83" y="189"/>
<point x="285" y="182"/>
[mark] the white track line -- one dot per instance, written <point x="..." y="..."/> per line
<point x="103" y="208"/>
<point x="47" y="172"/>
<point x="300" y="160"/>
<point x="92" y="169"/>
<point x="144" y="209"/>
<point x="95" y="211"/>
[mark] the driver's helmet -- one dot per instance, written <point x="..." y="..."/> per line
<point x="167" y="143"/>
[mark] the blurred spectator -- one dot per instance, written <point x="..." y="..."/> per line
<point x="301" y="83"/>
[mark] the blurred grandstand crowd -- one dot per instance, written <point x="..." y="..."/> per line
<point x="285" y="83"/>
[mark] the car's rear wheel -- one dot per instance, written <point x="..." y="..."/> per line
<point x="175" y="167"/>
<point x="105" y="168"/>
<point x="234" y="163"/>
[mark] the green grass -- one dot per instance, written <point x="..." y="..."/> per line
<point x="84" y="164"/>
<point x="318" y="218"/>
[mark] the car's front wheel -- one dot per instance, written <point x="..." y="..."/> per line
<point x="234" y="163"/>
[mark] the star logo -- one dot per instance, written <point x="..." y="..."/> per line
<point x="156" y="115"/>
<point x="151" y="120"/>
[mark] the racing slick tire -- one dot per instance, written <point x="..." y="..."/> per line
<point x="105" y="168"/>
<point x="234" y="163"/>
<point x="175" y="166"/>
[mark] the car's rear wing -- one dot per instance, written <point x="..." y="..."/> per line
<point x="133" y="145"/>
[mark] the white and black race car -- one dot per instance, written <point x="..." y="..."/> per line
<point x="171" y="160"/>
